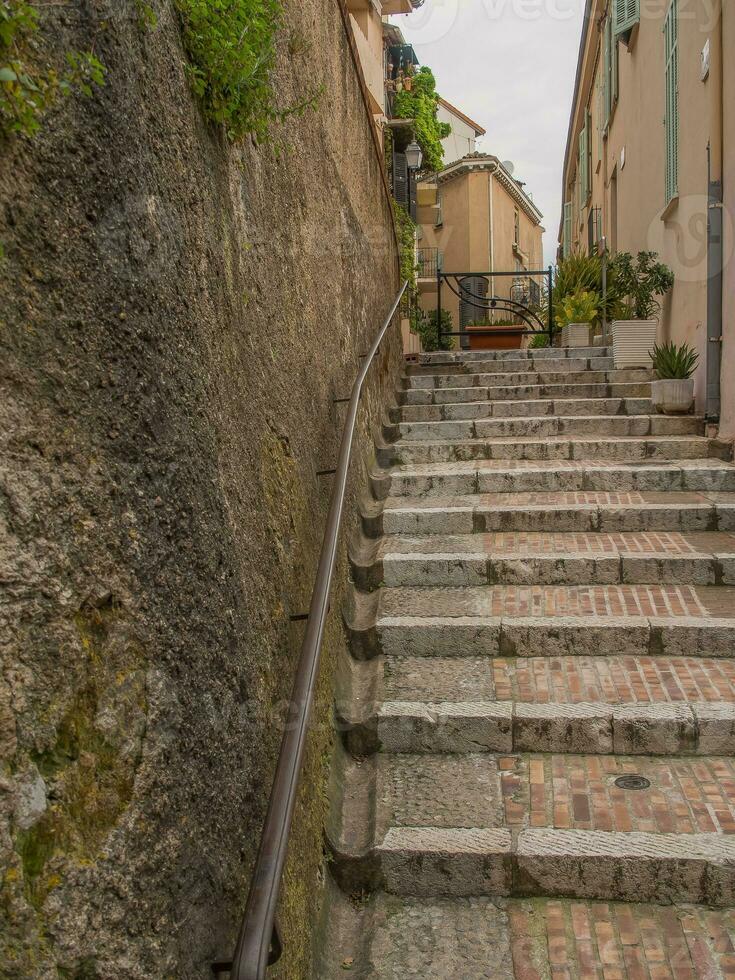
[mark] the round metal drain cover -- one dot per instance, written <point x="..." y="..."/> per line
<point x="632" y="782"/>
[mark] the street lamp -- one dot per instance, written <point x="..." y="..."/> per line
<point x="414" y="156"/>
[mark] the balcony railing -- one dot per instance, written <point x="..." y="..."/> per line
<point x="430" y="261"/>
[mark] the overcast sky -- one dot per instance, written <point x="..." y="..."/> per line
<point x="509" y="65"/>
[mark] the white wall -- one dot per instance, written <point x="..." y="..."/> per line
<point x="460" y="141"/>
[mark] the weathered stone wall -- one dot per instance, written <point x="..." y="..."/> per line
<point x="176" y="316"/>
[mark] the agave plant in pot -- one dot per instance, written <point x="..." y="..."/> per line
<point x="673" y="392"/>
<point x="637" y="283"/>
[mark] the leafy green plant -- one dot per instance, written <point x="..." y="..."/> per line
<point x="579" y="271"/>
<point x="425" y="325"/>
<point x="28" y="89"/>
<point x="674" y="361"/>
<point x="539" y="340"/>
<point x="639" y="281"/>
<point x="231" y="46"/>
<point x="420" y="104"/>
<point x="581" y="306"/>
<point x="406" y="232"/>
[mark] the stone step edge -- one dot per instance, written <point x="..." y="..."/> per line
<point x="618" y="567"/>
<point x="589" y="864"/>
<point x="590" y="727"/>
<point x="530" y="636"/>
<point x="552" y="353"/>
<point x="373" y="512"/>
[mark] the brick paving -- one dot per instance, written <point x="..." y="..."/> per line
<point x="575" y="940"/>
<point x="612" y="679"/>
<point x="608" y="600"/>
<point x="686" y="796"/>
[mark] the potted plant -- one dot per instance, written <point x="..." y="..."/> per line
<point x="673" y="392"/>
<point x="637" y="283"/>
<point x="576" y="313"/>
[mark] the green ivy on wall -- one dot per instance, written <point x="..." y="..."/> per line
<point x="407" y="250"/>
<point x="231" y="46"/>
<point x="420" y="104"/>
<point x="29" y="88"/>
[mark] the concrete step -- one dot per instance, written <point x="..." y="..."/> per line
<point x="548" y="374"/>
<point x="547" y="558"/>
<point x="585" y="510"/>
<point x="598" y="705"/>
<point x="512" y="475"/>
<point x="553" y="364"/>
<point x="625" y="449"/>
<point x="550" y="825"/>
<point x="539" y="408"/>
<point x="530" y="428"/>
<point x="544" y="353"/>
<point x="529" y="393"/>
<point x="543" y="621"/>
<point x="479" y="938"/>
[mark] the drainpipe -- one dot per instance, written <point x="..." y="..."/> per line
<point x="490" y="183"/>
<point x="713" y="354"/>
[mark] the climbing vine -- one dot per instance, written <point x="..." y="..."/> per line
<point x="28" y="88"/>
<point x="231" y="46"/>
<point x="407" y="250"/>
<point x="420" y="104"/>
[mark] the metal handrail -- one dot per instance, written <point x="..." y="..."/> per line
<point x="253" y="950"/>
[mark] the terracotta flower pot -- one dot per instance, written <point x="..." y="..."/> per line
<point x="672" y="396"/>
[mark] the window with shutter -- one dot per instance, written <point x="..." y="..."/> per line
<point x="585" y="184"/>
<point x="626" y="14"/>
<point x="671" y="116"/>
<point x="566" y="241"/>
<point x="400" y="179"/>
<point x="600" y="115"/>
<point x="611" y="69"/>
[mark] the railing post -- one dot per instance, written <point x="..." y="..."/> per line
<point x="439" y="307"/>
<point x="551" y="306"/>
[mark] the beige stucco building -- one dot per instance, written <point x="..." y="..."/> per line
<point x="654" y="101"/>
<point x="482" y="222"/>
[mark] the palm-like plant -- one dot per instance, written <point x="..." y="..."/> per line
<point x="673" y="361"/>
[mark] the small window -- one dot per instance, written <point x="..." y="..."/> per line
<point x="516" y="227"/>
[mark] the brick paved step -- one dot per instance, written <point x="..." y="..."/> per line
<point x="545" y="621"/>
<point x="540" y="408"/>
<point x="599" y="447"/>
<point x="478" y="938"/>
<point x="551" y="825"/>
<point x="543" y="375"/>
<point x="520" y="475"/>
<point x="554" y="365"/>
<point x="565" y="557"/>
<point x="495" y="394"/>
<point x="584" y="510"/>
<point x="646" y="705"/>
<point x="529" y="428"/>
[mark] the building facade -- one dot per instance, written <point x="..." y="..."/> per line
<point x="650" y="163"/>
<point x="462" y="139"/>
<point x="482" y="222"/>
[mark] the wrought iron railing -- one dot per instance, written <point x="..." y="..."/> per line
<point x="527" y="309"/>
<point x="429" y="261"/>
<point x="259" y="944"/>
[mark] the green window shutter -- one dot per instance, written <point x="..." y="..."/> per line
<point x="671" y="117"/>
<point x="567" y="232"/>
<point x="613" y="69"/>
<point x="626" y="13"/>
<point x="588" y="145"/>
<point x="600" y="116"/>
<point x="584" y="161"/>
<point x="608" y="44"/>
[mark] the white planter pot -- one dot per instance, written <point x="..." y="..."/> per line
<point x="575" y="335"/>
<point x="633" y="342"/>
<point x="672" y="396"/>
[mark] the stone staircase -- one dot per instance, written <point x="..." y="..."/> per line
<point x="536" y="774"/>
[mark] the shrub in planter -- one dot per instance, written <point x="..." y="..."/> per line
<point x="673" y="392"/>
<point x="638" y="283"/>
<point x="425" y="326"/>
<point x="576" y="314"/>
